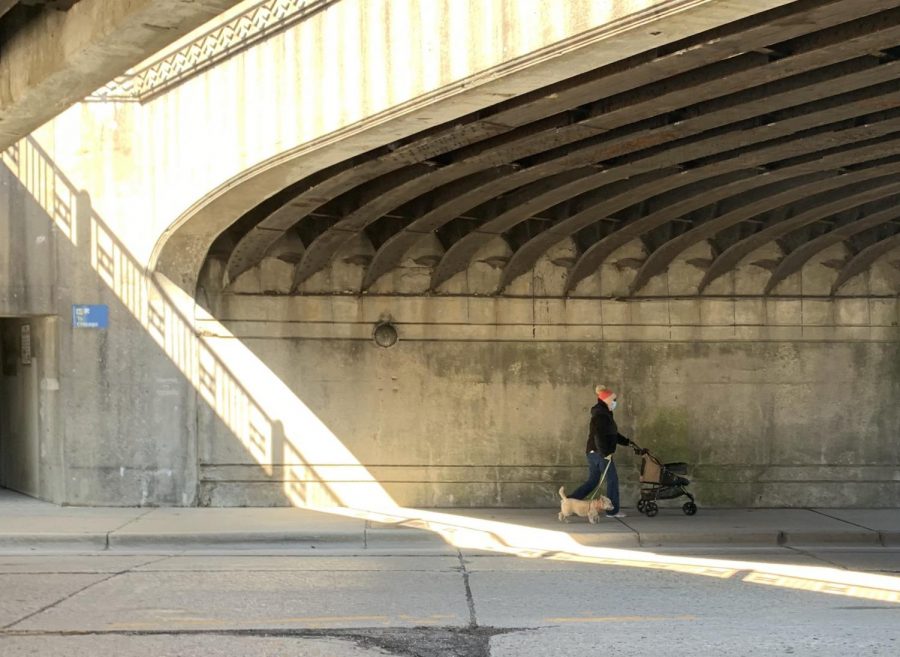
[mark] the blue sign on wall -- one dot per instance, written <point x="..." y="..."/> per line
<point x="86" y="316"/>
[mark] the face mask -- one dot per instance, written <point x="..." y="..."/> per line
<point x="612" y="406"/>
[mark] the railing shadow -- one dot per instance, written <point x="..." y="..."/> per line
<point x="214" y="365"/>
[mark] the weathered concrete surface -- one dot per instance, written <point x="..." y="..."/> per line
<point x="483" y="415"/>
<point x="464" y="56"/>
<point x="54" y="59"/>
<point x="28" y="277"/>
<point x="471" y="605"/>
<point x="483" y="401"/>
<point x="80" y="383"/>
<point x="28" y="525"/>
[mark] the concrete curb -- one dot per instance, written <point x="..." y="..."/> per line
<point x="618" y="540"/>
<point x="862" y="538"/>
<point x="400" y="537"/>
<point x="236" y="539"/>
<point x="384" y="537"/>
<point x="772" y="538"/>
<point x="718" y="539"/>
<point x="47" y="541"/>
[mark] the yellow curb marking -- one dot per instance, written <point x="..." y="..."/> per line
<point x="617" y="619"/>
<point x="316" y="621"/>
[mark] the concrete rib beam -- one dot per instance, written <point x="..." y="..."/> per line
<point x="724" y="144"/>
<point x="658" y="261"/>
<point x="729" y="258"/>
<point x="794" y="119"/>
<point x="864" y="259"/>
<point x="683" y="87"/>
<point x="795" y="260"/>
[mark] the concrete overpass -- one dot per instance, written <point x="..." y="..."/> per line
<point x="692" y="201"/>
<point x="56" y="53"/>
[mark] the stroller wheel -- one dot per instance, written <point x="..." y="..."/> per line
<point x="640" y="505"/>
<point x="689" y="508"/>
<point x="651" y="509"/>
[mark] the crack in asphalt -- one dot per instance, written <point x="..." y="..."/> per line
<point x="470" y="601"/>
<point x="74" y="593"/>
<point x="402" y="642"/>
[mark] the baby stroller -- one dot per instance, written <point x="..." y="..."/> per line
<point x="661" y="481"/>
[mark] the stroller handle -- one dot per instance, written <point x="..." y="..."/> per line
<point x="638" y="449"/>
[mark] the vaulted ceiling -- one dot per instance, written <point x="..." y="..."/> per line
<point x="782" y="128"/>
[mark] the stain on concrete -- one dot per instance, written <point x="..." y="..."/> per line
<point x="667" y="433"/>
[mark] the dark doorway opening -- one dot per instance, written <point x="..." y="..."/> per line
<point x="19" y="406"/>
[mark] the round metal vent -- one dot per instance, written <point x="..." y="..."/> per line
<point x="385" y="335"/>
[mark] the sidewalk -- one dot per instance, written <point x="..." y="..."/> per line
<point x="27" y="524"/>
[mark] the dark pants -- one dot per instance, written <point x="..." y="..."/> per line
<point x="596" y="465"/>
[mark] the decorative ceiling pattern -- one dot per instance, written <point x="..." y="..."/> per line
<point x="779" y="129"/>
<point x="238" y="33"/>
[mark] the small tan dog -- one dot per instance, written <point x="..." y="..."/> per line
<point x="591" y="509"/>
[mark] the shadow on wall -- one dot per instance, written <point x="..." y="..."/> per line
<point x="274" y="427"/>
<point x="274" y="424"/>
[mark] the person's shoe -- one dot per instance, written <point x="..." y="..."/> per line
<point x="620" y="514"/>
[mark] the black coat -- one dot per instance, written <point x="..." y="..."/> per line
<point x="603" y="435"/>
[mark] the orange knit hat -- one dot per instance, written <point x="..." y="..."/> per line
<point x="603" y="393"/>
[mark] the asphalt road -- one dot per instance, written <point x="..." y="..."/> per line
<point x="820" y="602"/>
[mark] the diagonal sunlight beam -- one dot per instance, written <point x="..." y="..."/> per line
<point x="322" y="470"/>
<point x="276" y="426"/>
<point x="311" y="450"/>
<point x="528" y="542"/>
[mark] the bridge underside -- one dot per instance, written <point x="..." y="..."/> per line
<point x="55" y="52"/>
<point x="420" y="286"/>
<point x="774" y="135"/>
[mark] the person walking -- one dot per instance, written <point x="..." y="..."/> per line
<point x="603" y="437"/>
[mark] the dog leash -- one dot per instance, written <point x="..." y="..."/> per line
<point x="603" y="476"/>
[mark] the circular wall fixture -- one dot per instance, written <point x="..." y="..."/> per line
<point x="385" y="335"/>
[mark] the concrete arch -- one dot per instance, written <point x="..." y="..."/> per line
<point x="710" y="146"/>
<point x="750" y="275"/>
<point x="548" y="277"/>
<point x="525" y="202"/>
<point x="797" y="258"/>
<point x="543" y="136"/>
<point x="816" y="188"/>
<point x="345" y="272"/>
<point x="886" y="187"/>
<point x="601" y="130"/>
<point x="614" y="275"/>
<point x="460" y="200"/>
<point x="408" y="184"/>
<point x="413" y="274"/>
<point x="733" y="161"/>
<point x="698" y="195"/>
<point x="864" y="259"/>
<point x="483" y="273"/>
<point x="794" y="120"/>
<point x="807" y="54"/>
<point x="276" y="154"/>
<point x="686" y="270"/>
